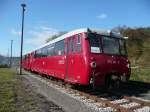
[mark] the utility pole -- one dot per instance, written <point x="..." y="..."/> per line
<point x="23" y="10"/>
<point x="11" y="53"/>
<point x="8" y="58"/>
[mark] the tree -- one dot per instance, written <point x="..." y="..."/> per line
<point x="55" y="36"/>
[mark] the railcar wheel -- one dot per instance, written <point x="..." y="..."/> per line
<point x="111" y="84"/>
<point x="108" y="83"/>
<point x="117" y="84"/>
<point x="92" y="83"/>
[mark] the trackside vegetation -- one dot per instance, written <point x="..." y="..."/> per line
<point x="139" y="52"/>
<point x="7" y="103"/>
<point x="17" y="95"/>
<point x="140" y="74"/>
<point x="14" y="97"/>
<point x="14" y="94"/>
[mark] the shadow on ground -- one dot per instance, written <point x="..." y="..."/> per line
<point x="132" y="88"/>
<point x="136" y="88"/>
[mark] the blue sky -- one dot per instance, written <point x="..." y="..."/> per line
<point x="44" y="18"/>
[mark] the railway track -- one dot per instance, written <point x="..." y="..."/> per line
<point x="100" y="100"/>
<point x="116" y="101"/>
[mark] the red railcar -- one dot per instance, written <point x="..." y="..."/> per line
<point x="83" y="56"/>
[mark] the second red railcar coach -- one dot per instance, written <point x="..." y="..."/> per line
<point x="83" y="56"/>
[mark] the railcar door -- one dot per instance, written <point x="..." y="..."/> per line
<point x="74" y="59"/>
<point x="70" y="59"/>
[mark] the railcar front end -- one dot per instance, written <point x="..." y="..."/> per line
<point x="108" y="61"/>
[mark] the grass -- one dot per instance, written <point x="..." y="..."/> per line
<point x="139" y="74"/>
<point x="7" y="103"/>
<point x="15" y="94"/>
<point x="14" y="97"/>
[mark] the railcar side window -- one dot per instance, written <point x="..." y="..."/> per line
<point x="59" y="48"/>
<point x="70" y="45"/>
<point x="44" y="52"/>
<point x="39" y="53"/>
<point x="74" y="44"/>
<point x="79" y="43"/>
<point x="50" y="50"/>
<point x="35" y="55"/>
<point x="26" y="56"/>
<point x="94" y="43"/>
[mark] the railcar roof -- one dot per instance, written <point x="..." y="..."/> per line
<point x="77" y="31"/>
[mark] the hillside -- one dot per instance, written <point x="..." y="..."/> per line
<point x="138" y="45"/>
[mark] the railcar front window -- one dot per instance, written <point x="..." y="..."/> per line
<point x="122" y="47"/>
<point x="94" y="43"/>
<point x="110" y="45"/>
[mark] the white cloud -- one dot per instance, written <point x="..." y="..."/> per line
<point x="45" y="28"/>
<point x="39" y="36"/>
<point x="102" y="16"/>
<point x="41" y="22"/>
<point x="16" y="33"/>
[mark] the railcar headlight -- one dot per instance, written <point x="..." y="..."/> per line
<point x="93" y="64"/>
<point x="128" y="65"/>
